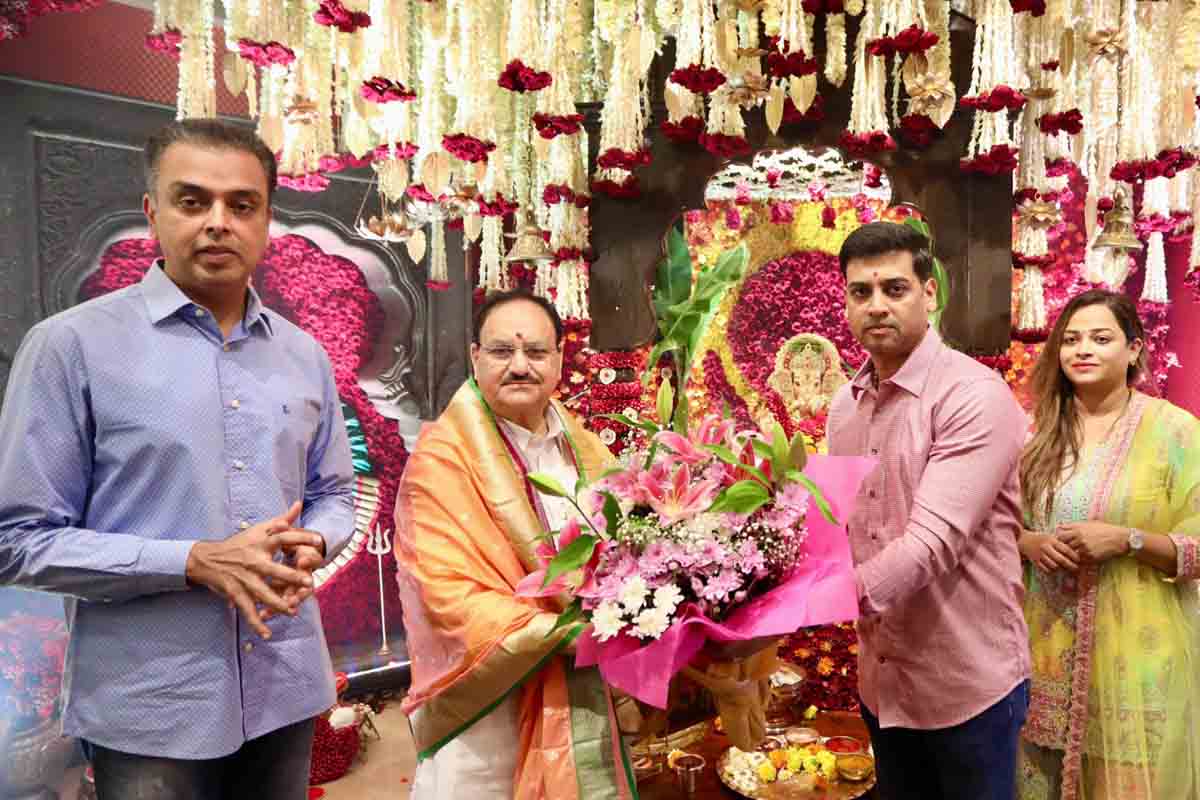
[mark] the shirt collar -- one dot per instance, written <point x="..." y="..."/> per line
<point x="913" y="372"/>
<point x="164" y="299"/>
<point x="523" y="438"/>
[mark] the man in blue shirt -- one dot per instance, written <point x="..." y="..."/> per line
<point x="174" y="460"/>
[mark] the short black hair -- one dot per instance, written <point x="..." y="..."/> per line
<point x="496" y="299"/>
<point x="208" y="132"/>
<point x="880" y="238"/>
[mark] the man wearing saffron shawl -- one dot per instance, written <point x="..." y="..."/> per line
<point x="497" y="708"/>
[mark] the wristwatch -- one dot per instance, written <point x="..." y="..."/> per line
<point x="1136" y="541"/>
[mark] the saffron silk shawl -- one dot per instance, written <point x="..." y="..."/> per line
<point x="1116" y="672"/>
<point x="467" y="521"/>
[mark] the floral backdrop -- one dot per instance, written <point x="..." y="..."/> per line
<point x="327" y="296"/>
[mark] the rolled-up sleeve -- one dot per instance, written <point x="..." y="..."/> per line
<point x="46" y="435"/>
<point x="978" y="431"/>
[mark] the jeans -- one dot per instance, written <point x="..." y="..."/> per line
<point x="272" y="767"/>
<point x="974" y="760"/>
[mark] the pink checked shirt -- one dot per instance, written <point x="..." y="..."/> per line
<point x="934" y="535"/>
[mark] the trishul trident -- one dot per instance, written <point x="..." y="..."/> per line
<point x="379" y="544"/>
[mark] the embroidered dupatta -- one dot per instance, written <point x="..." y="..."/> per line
<point x="1116" y="679"/>
<point x="467" y="521"/>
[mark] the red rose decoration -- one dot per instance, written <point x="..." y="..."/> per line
<point x="784" y="65"/>
<point x="1058" y="167"/>
<point x="552" y="125"/>
<point x="404" y="150"/>
<point x="614" y="158"/>
<point x="918" y="130"/>
<point x="913" y="39"/>
<point x="555" y="193"/>
<point x="332" y="14"/>
<point x="1068" y="122"/>
<point x="997" y="161"/>
<point x="277" y="53"/>
<point x="863" y="144"/>
<point x="686" y="131"/>
<point x="517" y="77"/>
<point x="1024" y="195"/>
<point x="792" y="115"/>
<point x="724" y="146"/>
<point x="1000" y="98"/>
<point x="1050" y="66"/>
<point x="824" y="6"/>
<point x="166" y="42"/>
<point x="382" y="90"/>
<point x="417" y="191"/>
<point x="467" y="148"/>
<point x="312" y="182"/>
<point x="1035" y="8"/>
<point x="500" y="207"/>
<point x="698" y="79"/>
<point x="828" y="217"/>
<point x="782" y="212"/>
<point x="627" y="189"/>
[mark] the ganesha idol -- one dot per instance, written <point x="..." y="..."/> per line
<point x="808" y="371"/>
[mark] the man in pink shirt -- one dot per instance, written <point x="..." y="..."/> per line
<point x="943" y="648"/>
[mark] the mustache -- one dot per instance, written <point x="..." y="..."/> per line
<point x="530" y="381"/>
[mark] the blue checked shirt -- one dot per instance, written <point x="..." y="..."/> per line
<point x="130" y="431"/>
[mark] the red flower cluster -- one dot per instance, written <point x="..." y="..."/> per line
<point x="467" y="148"/>
<point x="1068" y="122"/>
<point x="785" y="65"/>
<point x="627" y="189"/>
<point x="1154" y="319"/>
<point x="828" y="217"/>
<point x="499" y="207"/>
<point x="1050" y="66"/>
<point x="1000" y="98"/>
<point x="1025" y="195"/>
<point x="698" y="79"/>
<point x="32" y="650"/>
<point x="555" y="193"/>
<point x="1000" y="159"/>
<point x="1020" y="260"/>
<point x="733" y="218"/>
<point x="565" y="254"/>
<point x="1192" y="281"/>
<point x="686" y="131"/>
<point x="15" y="17"/>
<point x="829" y="657"/>
<point x="614" y="158"/>
<point x="517" y="77"/>
<point x="724" y="146"/>
<point x="1154" y="223"/>
<point x="918" y="130"/>
<point x="384" y="90"/>
<point x="824" y="6"/>
<point x="344" y="161"/>
<point x="264" y="54"/>
<point x="418" y="192"/>
<point x="551" y="125"/>
<point x="792" y="115"/>
<point x="872" y="175"/>
<point x="721" y="394"/>
<point x="1035" y="8"/>
<point x="333" y="751"/>
<point x="312" y="182"/>
<point x="404" y="150"/>
<point x="1000" y="363"/>
<point x="863" y="144"/>
<point x="913" y="39"/>
<point x="168" y="42"/>
<point x="1165" y="165"/>
<point x="333" y="14"/>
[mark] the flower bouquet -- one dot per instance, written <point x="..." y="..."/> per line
<point x="712" y="534"/>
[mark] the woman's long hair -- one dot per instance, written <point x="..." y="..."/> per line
<point x="1056" y="440"/>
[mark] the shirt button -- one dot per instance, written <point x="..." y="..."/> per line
<point x="882" y="659"/>
<point x="874" y="451"/>
<point x="225" y="347"/>
<point x="242" y="465"/>
<point x="243" y="525"/>
<point x="248" y="646"/>
<point x="199" y="312"/>
<point x="235" y="403"/>
<point x="871" y="493"/>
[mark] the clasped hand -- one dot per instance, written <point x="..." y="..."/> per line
<point x="243" y="568"/>
<point x="1075" y="543"/>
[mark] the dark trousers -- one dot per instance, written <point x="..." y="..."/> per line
<point x="975" y="760"/>
<point x="272" y="767"/>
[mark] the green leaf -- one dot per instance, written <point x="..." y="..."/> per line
<point x="743" y="497"/>
<point x="817" y="496"/>
<point x="797" y="453"/>
<point x="664" y="346"/>
<point x="680" y="423"/>
<point x="762" y="448"/>
<point x="779" y="450"/>
<point x="570" y="615"/>
<point x="921" y="227"/>
<point x="548" y="485"/>
<point x="612" y="513"/>
<point x="571" y="558"/>
<point x="642" y="425"/>
<point x="727" y="455"/>
<point x="666" y="403"/>
<point x="673" y="276"/>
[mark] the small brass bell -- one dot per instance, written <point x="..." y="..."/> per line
<point x="1118" y="230"/>
<point x="529" y="246"/>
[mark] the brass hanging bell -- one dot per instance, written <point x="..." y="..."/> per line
<point x="1118" y="230"/>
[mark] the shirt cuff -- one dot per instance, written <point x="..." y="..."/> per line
<point x="162" y="565"/>
<point x="1187" y="550"/>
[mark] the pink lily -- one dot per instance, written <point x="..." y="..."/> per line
<point x="683" y="448"/>
<point x="546" y="551"/>
<point x="678" y="498"/>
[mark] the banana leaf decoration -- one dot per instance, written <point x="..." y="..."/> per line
<point x="939" y="273"/>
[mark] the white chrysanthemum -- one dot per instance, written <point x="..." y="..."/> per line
<point x="607" y="620"/>
<point x="667" y="597"/>
<point x="702" y="526"/>
<point x="652" y="623"/>
<point x="633" y="593"/>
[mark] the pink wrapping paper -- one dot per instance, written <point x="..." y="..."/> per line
<point x="821" y="591"/>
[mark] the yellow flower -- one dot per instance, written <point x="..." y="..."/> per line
<point x="853" y="649"/>
<point x="826" y="646"/>
<point x="810" y="712"/>
<point x="795" y="761"/>
<point x="767" y="772"/>
<point x="825" y="666"/>
<point x="673" y="756"/>
<point x="826" y="763"/>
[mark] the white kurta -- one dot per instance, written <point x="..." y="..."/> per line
<point x="480" y="763"/>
